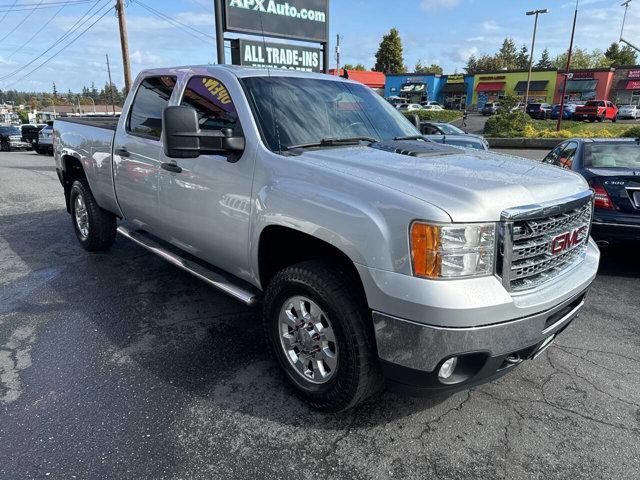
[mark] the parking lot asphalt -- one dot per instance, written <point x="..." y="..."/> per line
<point x="119" y="365"/>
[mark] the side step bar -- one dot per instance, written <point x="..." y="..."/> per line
<point x="211" y="277"/>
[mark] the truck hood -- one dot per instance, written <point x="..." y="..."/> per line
<point x="470" y="186"/>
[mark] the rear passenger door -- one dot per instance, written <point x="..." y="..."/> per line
<point x="137" y="147"/>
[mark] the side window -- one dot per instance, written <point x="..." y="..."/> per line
<point x="212" y="101"/>
<point x="567" y="155"/>
<point x="145" y="117"/>
<point x="429" y="130"/>
<point x="554" y="155"/>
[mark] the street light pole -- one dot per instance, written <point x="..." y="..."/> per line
<point x="566" y="73"/>
<point x="533" y="45"/>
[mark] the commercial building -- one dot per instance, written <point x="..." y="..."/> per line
<point x="456" y="91"/>
<point x="373" y="80"/>
<point x="584" y="85"/>
<point x="626" y="86"/>
<point x="492" y="86"/>
<point x="452" y="91"/>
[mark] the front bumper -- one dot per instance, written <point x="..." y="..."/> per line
<point x="412" y="354"/>
<point x="19" y="145"/>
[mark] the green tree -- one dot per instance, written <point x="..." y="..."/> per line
<point x="359" y="66"/>
<point x="522" y="58"/>
<point x="507" y="56"/>
<point x="433" y="68"/>
<point x="545" y="60"/>
<point x="581" y="58"/>
<point x="55" y="92"/>
<point x="389" y="58"/>
<point x="621" y="56"/>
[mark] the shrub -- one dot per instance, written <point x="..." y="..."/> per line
<point x="435" y="115"/>
<point x="507" y="124"/>
<point x="633" y="132"/>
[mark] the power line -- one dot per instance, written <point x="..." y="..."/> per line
<point x="35" y="34"/>
<point x="7" y="12"/>
<point x="173" y="20"/>
<point x="25" y="7"/>
<point x="64" y="47"/>
<point x="18" y="25"/>
<point x="69" y="32"/>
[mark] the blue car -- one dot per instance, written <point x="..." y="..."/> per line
<point x="567" y="114"/>
<point x="612" y="169"/>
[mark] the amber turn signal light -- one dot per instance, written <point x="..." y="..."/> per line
<point x="425" y="243"/>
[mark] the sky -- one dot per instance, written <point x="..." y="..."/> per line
<point x="444" y="32"/>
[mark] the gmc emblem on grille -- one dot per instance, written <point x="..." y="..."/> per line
<point x="566" y="240"/>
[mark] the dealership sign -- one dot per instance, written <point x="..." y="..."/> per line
<point x="455" y="79"/>
<point x="255" y="53"/>
<point x="296" y="19"/>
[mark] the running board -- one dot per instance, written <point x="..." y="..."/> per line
<point x="209" y="276"/>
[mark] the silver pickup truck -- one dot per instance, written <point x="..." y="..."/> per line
<point x="376" y="255"/>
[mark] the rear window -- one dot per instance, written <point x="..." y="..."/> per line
<point x="594" y="103"/>
<point x="612" y="156"/>
<point x="10" y="131"/>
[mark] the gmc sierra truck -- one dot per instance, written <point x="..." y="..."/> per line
<point x="375" y="253"/>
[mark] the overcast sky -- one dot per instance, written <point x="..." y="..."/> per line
<point x="445" y="32"/>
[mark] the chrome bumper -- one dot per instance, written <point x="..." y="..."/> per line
<point x="424" y="347"/>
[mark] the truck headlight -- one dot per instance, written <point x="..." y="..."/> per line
<point x="450" y="251"/>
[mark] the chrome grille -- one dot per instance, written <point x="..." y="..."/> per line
<point x="528" y="240"/>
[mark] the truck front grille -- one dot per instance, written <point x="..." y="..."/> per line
<point x="544" y="244"/>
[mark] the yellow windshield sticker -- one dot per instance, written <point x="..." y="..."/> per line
<point x="217" y="89"/>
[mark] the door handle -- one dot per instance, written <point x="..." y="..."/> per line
<point x="171" y="167"/>
<point x="122" y="152"/>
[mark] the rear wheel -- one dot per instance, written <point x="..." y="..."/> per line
<point x="615" y="118"/>
<point x="4" y="146"/>
<point x="95" y="228"/>
<point x="320" y="331"/>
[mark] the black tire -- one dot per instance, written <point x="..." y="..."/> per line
<point x="357" y="374"/>
<point x="4" y="146"/>
<point x="101" y="231"/>
<point x="602" y="118"/>
<point x="614" y="119"/>
<point x="37" y="150"/>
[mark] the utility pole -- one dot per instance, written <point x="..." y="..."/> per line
<point x="566" y="73"/>
<point x="219" y="31"/>
<point x="624" y="18"/>
<point x="113" y="104"/>
<point x="338" y="54"/>
<point x="124" y="43"/>
<point x="533" y="45"/>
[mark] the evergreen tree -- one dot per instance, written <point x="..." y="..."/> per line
<point x="389" y="58"/>
<point x="359" y="66"/>
<point x="621" y="56"/>
<point x="507" y="55"/>
<point x="55" y="92"/>
<point x="522" y="58"/>
<point x="472" y="65"/>
<point x="433" y="68"/>
<point x="545" y="60"/>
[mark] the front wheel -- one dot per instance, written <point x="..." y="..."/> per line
<point x="320" y="330"/>
<point x="95" y="228"/>
<point x="4" y="147"/>
<point x="614" y="119"/>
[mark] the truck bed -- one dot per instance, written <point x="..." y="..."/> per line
<point x="109" y="122"/>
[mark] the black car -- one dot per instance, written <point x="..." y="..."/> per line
<point x="539" y="110"/>
<point x="490" y="108"/>
<point x="11" y="139"/>
<point x="30" y="132"/>
<point x="612" y="168"/>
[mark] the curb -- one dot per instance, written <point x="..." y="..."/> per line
<point x="533" y="143"/>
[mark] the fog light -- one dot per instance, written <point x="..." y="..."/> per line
<point x="447" y="368"/>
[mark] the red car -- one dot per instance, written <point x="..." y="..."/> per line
<point x="599" y="110"/>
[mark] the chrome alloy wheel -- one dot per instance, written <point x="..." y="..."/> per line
<point x="308" y="339"/>
<point x="81" y="216"/>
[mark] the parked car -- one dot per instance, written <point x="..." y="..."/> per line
<point x="436" y="108"/>
<point x="431" y="102"/>
<point x="490" y="108"/>
<point x="567" y="112"/>
<point x="30" y="132"/>
<point x="45" y="141"/>
<point x="374" y="253"/>
<point x="409" y="107"/>
<point x="611" y="167"/>
<point x="395" y="100"/>
<point x="599" y="110"/>
<point x="539" y="110"/>
<point x="11" y="139"/>
<point x="451" y="135"/>
<point x="629" y="111"/>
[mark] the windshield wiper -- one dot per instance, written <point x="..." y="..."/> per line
<point x="333" y="142"/>
<point x="411" y="137"/>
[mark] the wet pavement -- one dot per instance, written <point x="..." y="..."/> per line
<point x="119" y="365"/>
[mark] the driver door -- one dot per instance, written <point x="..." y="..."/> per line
<point x="206" y="206"/>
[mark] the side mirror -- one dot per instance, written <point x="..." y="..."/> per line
<point x="183" y="137"/>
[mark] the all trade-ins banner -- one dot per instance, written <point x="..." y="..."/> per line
<point x="296" y="19"/>
<point x="253" y="53"/>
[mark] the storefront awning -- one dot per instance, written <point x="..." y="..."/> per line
<point x="490" y="87"/>
<point x="580" y="85"/>
<point x="454" y="88"/>
<point x="534" y="86"/>
<point x="629" y="85"/>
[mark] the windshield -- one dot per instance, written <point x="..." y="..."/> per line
<point x="612" y="156"/>
<point x="10" y="131"/>
<point x="450" y="129"/>
<point x="297" y="111"/>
